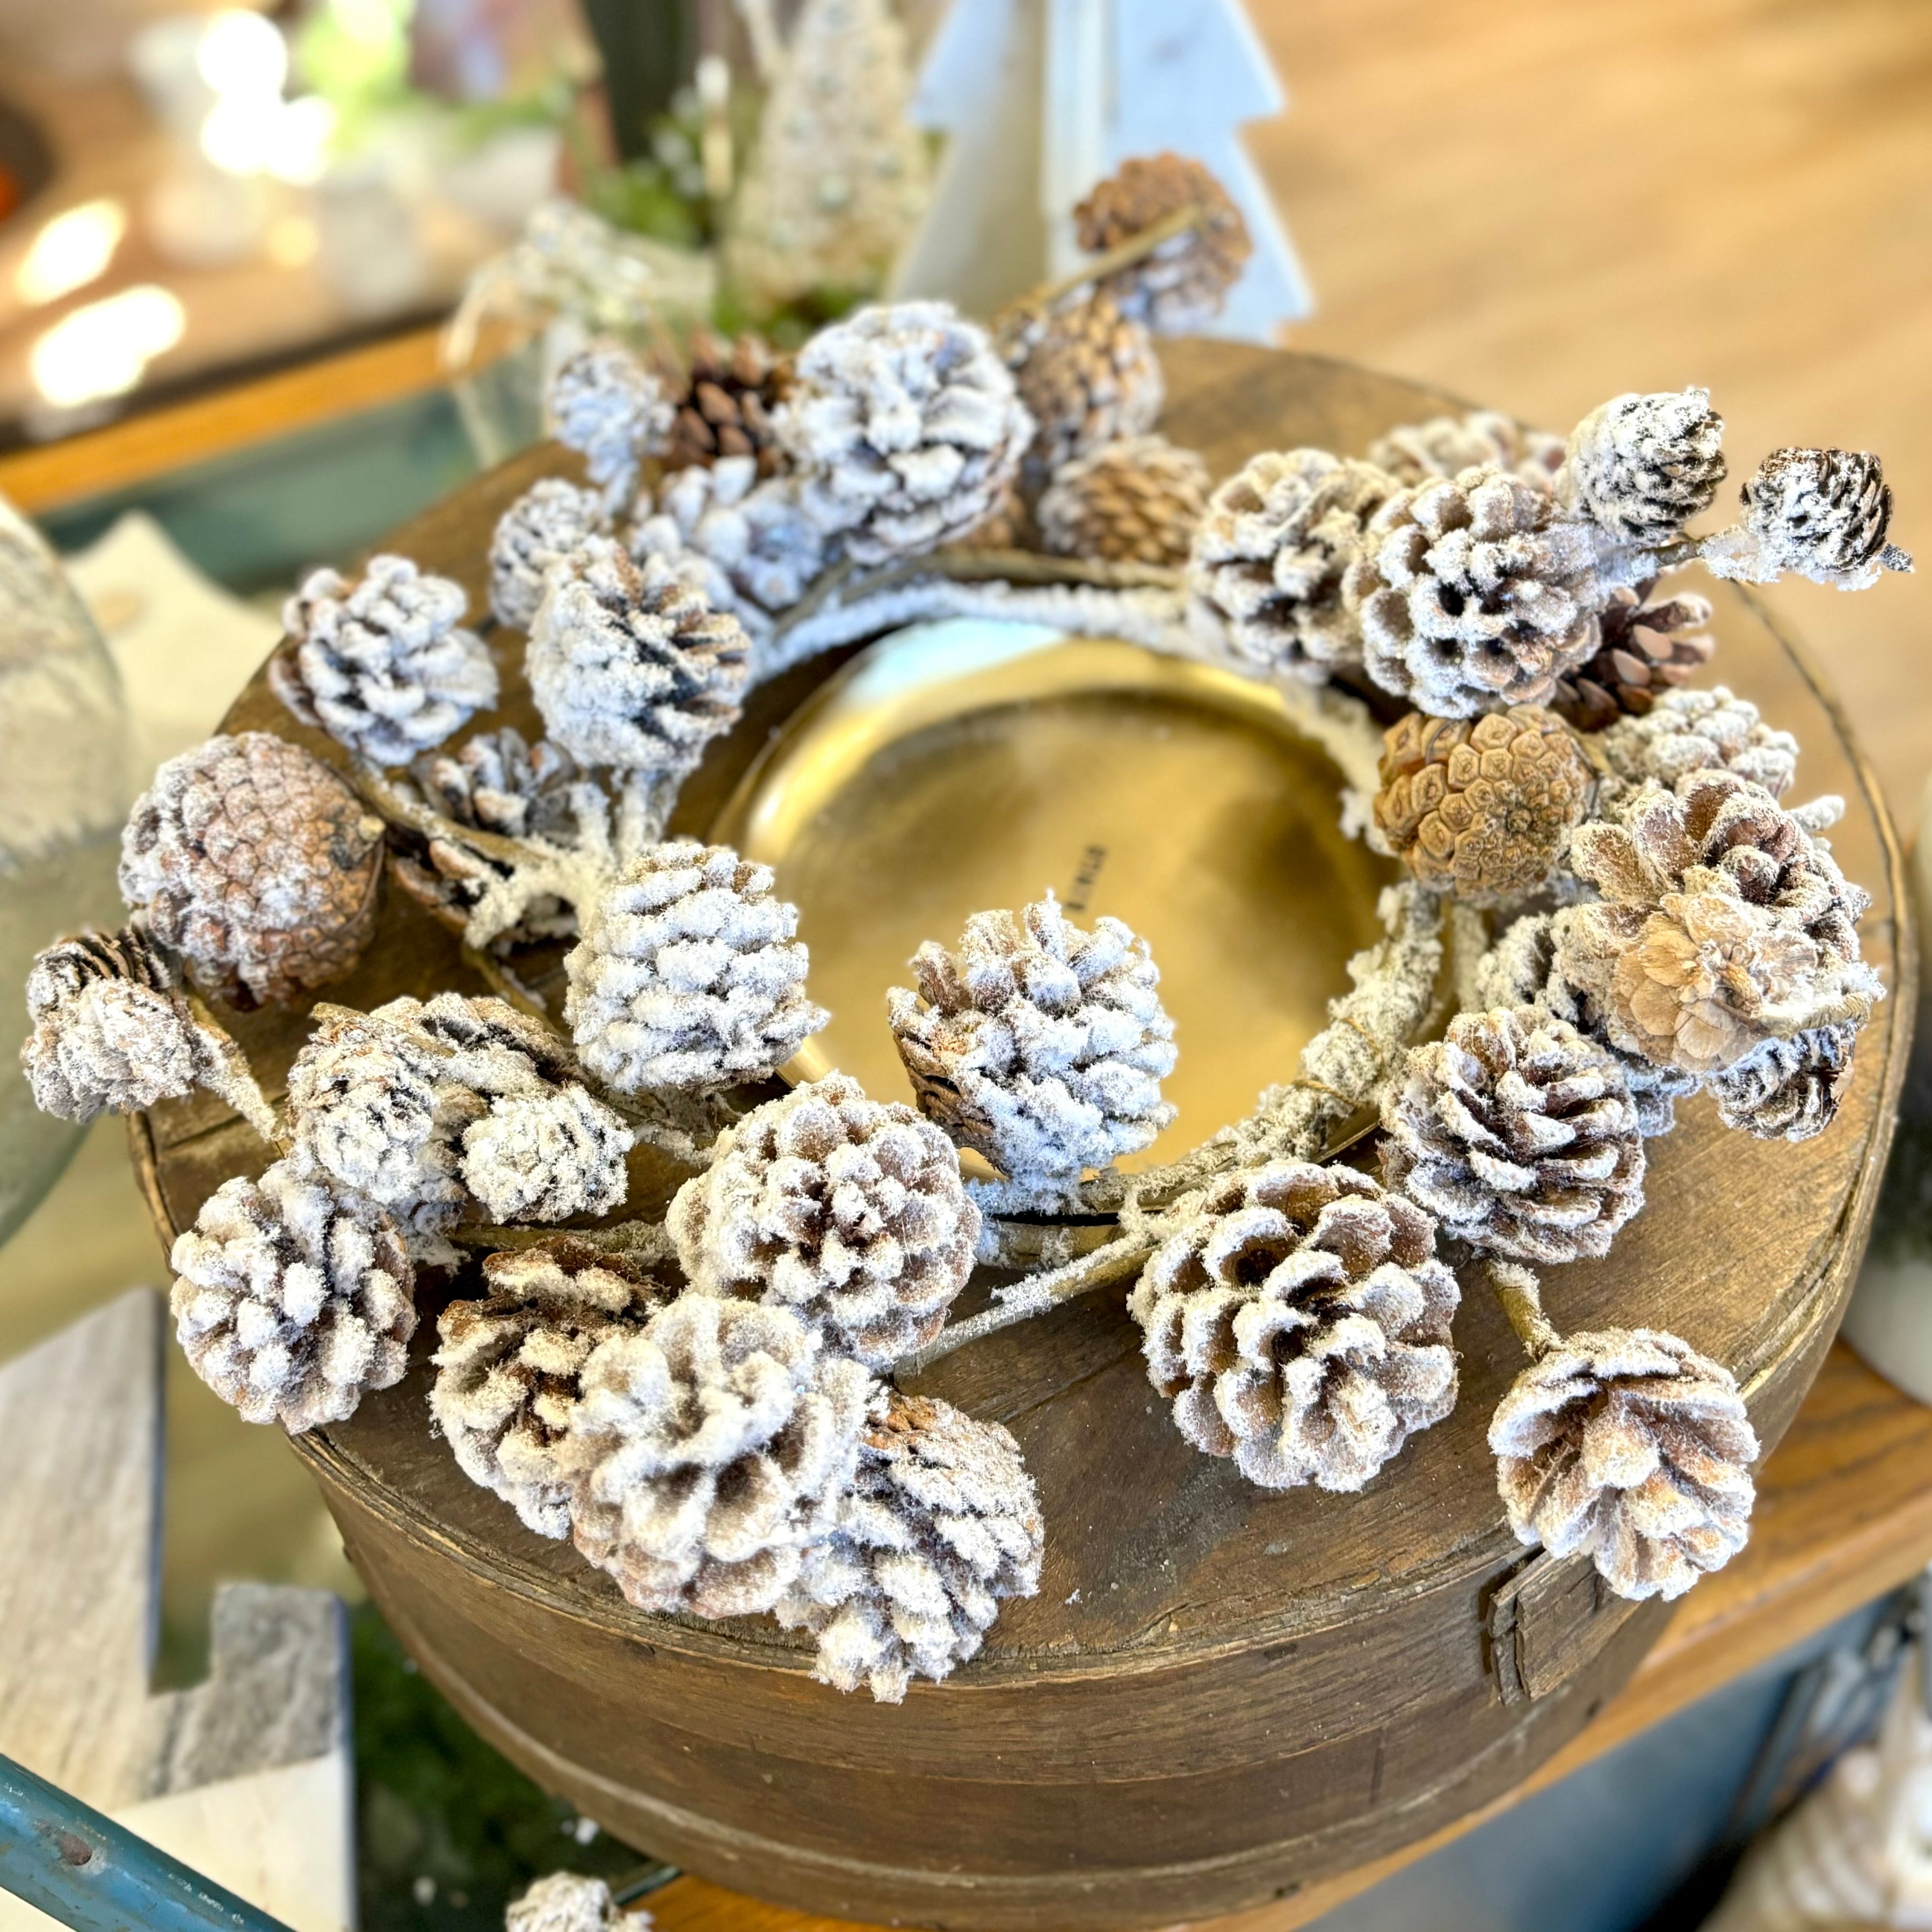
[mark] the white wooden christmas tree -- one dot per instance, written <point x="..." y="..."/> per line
<point x="1038" y="99"/>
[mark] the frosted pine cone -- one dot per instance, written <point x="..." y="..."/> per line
<point x="1824" y="514"/>
<point x="1137" y="501"/>
<point x="565" y="1903"/>
<point x="1628" y="1446"/>
<point x="1519" y="1134"/>
<point x="1640" y="467"/>
<point x="293" y="1298"/>
<point x="1687" y="731"/>
<point x="1301" y="1322"/>
<point x="1270" y="553"/>
<point x="631" y="667"/>
<point x="256" y="864"/>
<point x="1038" y="1045"/>
<point x="606" y="404"/>
<point x="1472" y="592"/>
<point x="1086" y="373"/>
<point x="1183" y="283"/>
<point x="540" y="528"/>
<point x="1788" y="1090"/>
<point x="847" y="1212"/>
<point x="941" y="1524"/>
<point x="1483" y="808"/>
<point x="731" y="390"/>
<point x="709" y="1448"/>
<point x="546" y="1156"/>
<point x="905" y="428"/>
<point x="508" y="1372"/>
<point x="1642" y="652"/>
<point x="1481" y="440"/>
<point x="688" y="975"/>
<point x="498" y="781"/>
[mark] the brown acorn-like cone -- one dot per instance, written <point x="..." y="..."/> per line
<point x="1482" y="808"/>
<point x="1645" y="648"/>
<point x="1137" y="501"/>
<point x="1300" y="1321"/>
<point x="724" y="407"/>
<point x="1184" y="283"/>
<point x="256" y="864"/>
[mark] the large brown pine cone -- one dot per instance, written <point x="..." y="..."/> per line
<point x="1519" y="1134"/>
<point x="1137" y="501"/>
<point x="1482" y="808"/>
<point x="1300" y="1322"/>
<point x="1086" y="372"/>
<point x="724" y="407"/>
<point x="1183" y="284"/>
<point x="1642" y="652"/>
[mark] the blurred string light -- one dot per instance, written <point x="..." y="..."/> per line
<point x="243" y="61"/>
<point x="103" y="348"/>
<point x="73" y="249"/>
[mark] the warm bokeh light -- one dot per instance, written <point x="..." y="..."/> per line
<point x="240" y="53"/>
<point x="70" y="251"/>
<point x="103" y="348"/>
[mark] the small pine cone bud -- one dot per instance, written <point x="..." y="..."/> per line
<point x="849" y="1213"/>
<point x="508" y="1372"/>
<point x="546" y="1156"/>
<point x="1824" y="514"/>
<point x="1788" y="1090"/>
<point x="687" y="976"/>
<point x="1519" y="1134"/>
<point x="1037" y="1045"/>
<point x="563" y="1902"/>
<point x="1473" y="592"/>
<point x="1183" y="283"/>
<point x="1087" y="374"/>
<point x="606" y="404"/>
<point x="1269" y="556"/>
<point x="256" y="864"/>
<point x="905" y="428"/>
<point x="1641" y="653"/>
<point x="1482" y="439"/>
<point x="1300" y="1321"/>
<point x="1483" y="808"/>
<point x="293" y="1298"/>
<point x="942" y="1524"/>
<point x="633" y="668"/>
<point x="498" y="781"/>
<point x="382" y="664"/>
<point x="709" y="1449"/>
<point x="1640" y="467"/>
<point x="1628" y="1446"/>
<point x="1137" y="501"/>
<point x="730" y="391"/>
<point x="540" y="528"/>
<point x="1687" y="731"/>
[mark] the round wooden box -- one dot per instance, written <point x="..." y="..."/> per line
<point x="1219" y="1695"/>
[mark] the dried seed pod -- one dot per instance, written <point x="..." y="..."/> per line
<point x="256" y="864"/>
<point x="1519" y="1134"/>
<point x="1479" y="439"/>
<point x="539" y="529"/>
<point x="731" y="389"/>
<point x="1086" y="373"/>
<point x="1687" y="731"/>
<point x="1787" y="1089"/>
<point x="1640" y="467"/>
<point x="293" y="1298"/>
<point x="546" y="1156"/>
<point x="1483" y="808"/>
<point x="1300" y="1321"/>
<point x="848" y="1212"/>
<point x="1137" y="501"/>
<point x="1644" y="650"/>
<point x="942" y="1523"/>
<point x="1183" y="284"/>
<point x="1823" y="514"/>
<point x="604" y="402"/>
<point x="708" y="1450"/>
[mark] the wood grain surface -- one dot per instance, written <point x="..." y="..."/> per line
<point x="1220" y="1696"/>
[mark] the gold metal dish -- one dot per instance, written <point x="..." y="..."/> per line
<point x="958" y="765"/>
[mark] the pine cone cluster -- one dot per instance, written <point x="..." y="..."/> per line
<point x="1086" y="373"/>
<point x="508" y="1373"/>
<point x="1471" y="592"/>
<point x="688" y="975"/>
<point x="1300" y="1322"/>
<point x="731" y="391"/>
<point x="293" y="1298"/>
<point x="1037" y="1045"/>
<point x="1643" y="653"/>
<point x="1483" y="808"/>
<point x="606" y="404"/>
<point x="905" y="428"/>
<point x="1687" y="731"/>
<point x="1640" y="467"/>
<point x="1183" y="284"/>
<point x="256" y="864"/>
<point x="540" y="528"/>
<point x="709" y="1449"/>
<point x="1480" y="440"/>
<point x="1136" y="501"/>
<point x="498" y="781"/>
<point x="1519" y="1134"/>
<point x="1824" y="514"/>
<point x="847" y="1212"/>
<point x="1787" y="1089"/>
<point x="941" y="1524"/>
<point x="1270" y="553"/>
<point x="632" y="668"/>
<point x="1630" y="1447"/>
